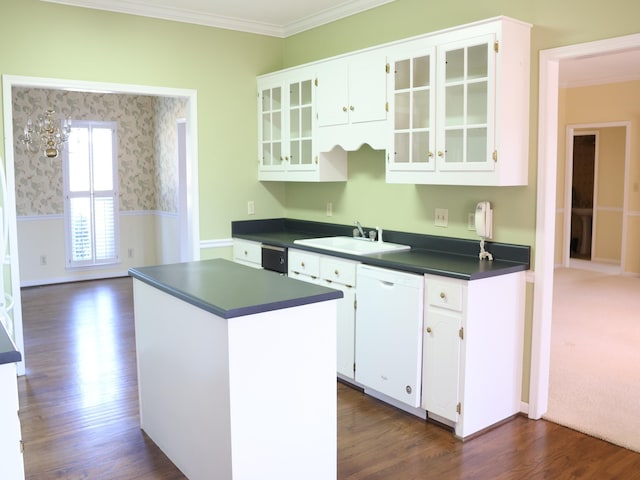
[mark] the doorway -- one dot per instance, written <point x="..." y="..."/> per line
<point x="583" y="163"/>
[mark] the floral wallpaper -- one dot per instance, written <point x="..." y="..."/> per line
<point x="146" y="148"/>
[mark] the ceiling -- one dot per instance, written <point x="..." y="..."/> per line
<point x="622" y="66"/>
<point x="277" y="18"/>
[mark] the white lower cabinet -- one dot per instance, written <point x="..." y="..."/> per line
<point x="247" y="253"/>
<point x="473" y="348"/>
<point x="340" y="274"/>
<point x="10" y="434"/>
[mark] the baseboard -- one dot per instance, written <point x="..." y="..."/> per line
<point x="53" y="281"/>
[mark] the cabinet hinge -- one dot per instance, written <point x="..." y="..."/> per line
<point x="355" y="304"/>
<point x="496" y="46"/>
<point x="354" y="367"/>
<point x="315" y="82"/>
<point x="316" y="159"/>
<point x="495" y="155"/>
<point x="387" y="68"/>
<point x="461" y="333"/>
<point x="21" y="446"/>
<point x="386" y="107"/>
<point x="459" y="408"/>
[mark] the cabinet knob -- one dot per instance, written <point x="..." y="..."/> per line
<point x="440" y="153"/>
<point x="352" y="108"/>
<point x="430" y="154"/>
<point x="443" y="295"/>
<point x="246" y="253"/>
<point x="302" y="264"/>
<point x="344" y="109"/>
<point x="428" y="329"/>
<point x="336" y="272"/>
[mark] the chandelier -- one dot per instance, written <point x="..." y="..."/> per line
<point x="46" y="135"/>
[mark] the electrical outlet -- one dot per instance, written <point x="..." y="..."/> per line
<point x="251" y="208"/>
<point x="442" y="217"/>
<point x="43" y="260"/>
<point x="130" y="253"/>
<point x="471" y="221"/>
<point x="329" y="209"/>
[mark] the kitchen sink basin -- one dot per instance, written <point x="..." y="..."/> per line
<point x="352" y="245"/>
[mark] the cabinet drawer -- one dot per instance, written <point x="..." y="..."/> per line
<point x="247" y="251"/>
<point x="338" y="270"/>
<point x="444" y="294"/>
<point x="304" y="262"/>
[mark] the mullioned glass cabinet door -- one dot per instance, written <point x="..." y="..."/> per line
<point x="271" y="154"/>
<point x="466" y="105"/>
<point x="301" y="96"/>
<point x="412" y="96"/>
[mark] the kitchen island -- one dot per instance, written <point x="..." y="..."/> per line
<point x="236" y="370"/>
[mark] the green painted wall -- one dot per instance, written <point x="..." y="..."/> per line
<point x="42" y="39"/>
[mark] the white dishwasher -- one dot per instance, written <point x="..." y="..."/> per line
<point x="389" y="318"/>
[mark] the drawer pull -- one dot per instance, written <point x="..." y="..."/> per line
<point x="336" y="272"/>
<point x="246" y="253"/>
<point x="428" y="329"/>
<point x="443" y="295"/>
<point x="302" y="264"/>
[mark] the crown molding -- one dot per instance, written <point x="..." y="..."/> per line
<point x="227" y="23"/>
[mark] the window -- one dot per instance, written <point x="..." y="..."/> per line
<point x="91" y="194"/>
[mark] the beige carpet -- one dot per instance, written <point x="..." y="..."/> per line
<point x="594" y="384"/>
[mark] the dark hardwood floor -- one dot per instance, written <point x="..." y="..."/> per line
<point x="79" y="412"/>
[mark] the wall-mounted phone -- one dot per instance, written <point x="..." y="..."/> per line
<point x="484" y="220"/>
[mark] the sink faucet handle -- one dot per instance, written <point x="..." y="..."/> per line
<point x="379" y="234"/>
<point x="359" y="227"/>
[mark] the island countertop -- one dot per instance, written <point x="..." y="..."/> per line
<point x="229" y="290"/>
<point x="8" y="351"/>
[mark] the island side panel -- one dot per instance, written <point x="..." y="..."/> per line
<point x="183" y="382"/>
<point x="283" y="393"/>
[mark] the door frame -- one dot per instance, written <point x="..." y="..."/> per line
<point x="10" y="81"/>
<point x="549" y="82"/>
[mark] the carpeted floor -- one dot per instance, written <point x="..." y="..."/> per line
<point x="594" y="384"/>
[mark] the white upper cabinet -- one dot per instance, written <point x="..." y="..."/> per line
<point x="287" y="131"/>
<point x="460" y="106"/>
<point x="449" y="107"/>
<point x="352" y="106"/>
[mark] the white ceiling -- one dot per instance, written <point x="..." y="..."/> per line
<point x="615" y="67"/>
<point x="278" y="18"/>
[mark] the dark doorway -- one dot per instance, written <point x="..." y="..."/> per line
<point x="582" y="187"/>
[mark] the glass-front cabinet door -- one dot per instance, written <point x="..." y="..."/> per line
<point x="412" y="96"/>
<point x="301" y="101"/>
<point x="466" y="105"/>
<point x="270" y="104"/>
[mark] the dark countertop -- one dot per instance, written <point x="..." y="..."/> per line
<point x="229" y="290"/>
<point x="445" y="256"/>
<point x="8" y="351"/>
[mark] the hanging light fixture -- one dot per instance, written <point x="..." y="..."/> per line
<point x="47" y="134"/>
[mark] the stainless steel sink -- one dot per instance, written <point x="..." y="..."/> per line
<point x="352" y="245"/>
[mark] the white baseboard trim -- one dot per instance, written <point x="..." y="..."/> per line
<point x="81" y="278"/>
<point x="217" y="243"/>
<point x="524" y="408"/>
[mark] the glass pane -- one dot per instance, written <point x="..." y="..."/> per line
<point x="267" y="158"/>
<point x="266" y="100"/>
<point x="306" y="92"/>
<point x="477" y="145"/>
<point x="454" y="70"/>
<point x="294" y="153"/>
<point x="421" y="109"/>
<point x="306" y="153"/>
<point x="420" y="147"/>
<point x="294" y="94"/>
<point x="402" y="148"/>
<point x="266" y="127"/>
<point x="421" y="72"/>
<point x="102" y="159"/>
<point x="79" y="178"/>
<point x="276" y="152"/>
<point x="294" y="123"/>
<point x="276" y="126"/>
<point x="477" y="103"/>
<point x="104" y="228"/>
<point x="80" y="220"/>
<point x="478" y="62"/>
<point x="306" y="115"/>
<point x="402" y="74"/>
<point x="454" y="146"/>
<point x="455" y="105"/>
<point x="276" y="93"/>
<point x="401" y="114"/>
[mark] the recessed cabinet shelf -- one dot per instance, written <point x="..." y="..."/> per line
<point x="449" y="107"/>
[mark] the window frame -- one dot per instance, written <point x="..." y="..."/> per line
<point x="92" y="195"/>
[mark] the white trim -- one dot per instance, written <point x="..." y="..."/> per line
<point x="217" y="243"/>
<point x="229" y="23"/>
<point x="546" y="206"/>
<point x="93" y="276"/>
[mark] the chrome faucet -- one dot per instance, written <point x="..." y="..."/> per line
<point x="359" y="227"/>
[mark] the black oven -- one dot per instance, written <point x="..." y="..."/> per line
<point x="274" y="258"/>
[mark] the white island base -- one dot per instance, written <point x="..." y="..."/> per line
<point x="243" y="398"/>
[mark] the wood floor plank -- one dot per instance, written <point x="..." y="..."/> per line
<point x="79" y="412"/>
